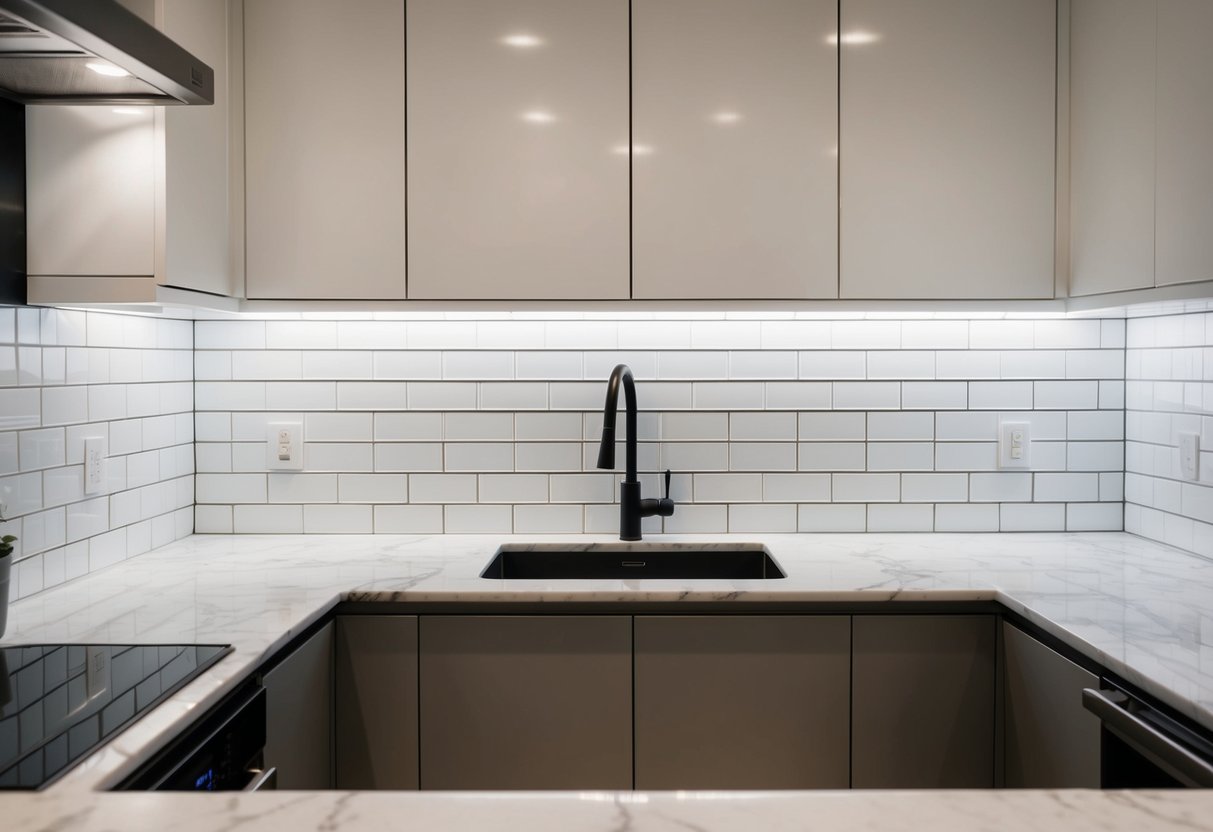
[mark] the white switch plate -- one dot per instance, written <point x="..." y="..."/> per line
<point x="284" y="446"/>
<point x="95" y="454"/>
<point x="1189" y="456"/>
<point x="1014" y="445"/>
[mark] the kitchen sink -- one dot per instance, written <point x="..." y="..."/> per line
<point x="623" y="561"/>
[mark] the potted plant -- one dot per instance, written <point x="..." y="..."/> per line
<point x="6" y="564"/>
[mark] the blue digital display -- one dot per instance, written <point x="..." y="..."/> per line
<point x="205" y="781"/>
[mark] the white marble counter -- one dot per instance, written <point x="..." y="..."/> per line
<point x="1141" y="609"/>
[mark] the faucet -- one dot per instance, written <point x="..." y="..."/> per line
<point x="631" y="507"/>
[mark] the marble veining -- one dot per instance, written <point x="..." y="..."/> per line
<point x="1140" y="608"/>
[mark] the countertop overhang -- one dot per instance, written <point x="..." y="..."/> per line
<point x="1141" y="609"/>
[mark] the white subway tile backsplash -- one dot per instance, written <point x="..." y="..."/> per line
<point x="833" y="365"/>
<point x="832" y="518"/>
<point x="934" y="395"/>
<point x="1000" y="487"/>
<point x="969" y="517"/>
<point x="478" y="519"/>
<point x="411" y="519"/>
<point x="803" y="395"/>
<point x="832" y="456"/>
<point x="1037" y="517"/>
<point x="901" y="456"/>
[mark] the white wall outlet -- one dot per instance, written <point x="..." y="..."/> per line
<point x="284" y="446"/>
<point x="95" y="454"/>
<point x="1014" y="445"/>
<point x="1189" y="456"/>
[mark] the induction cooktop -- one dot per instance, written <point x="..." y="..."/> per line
<point x="60" y="702"/>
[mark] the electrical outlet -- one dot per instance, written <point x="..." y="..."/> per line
<point x="95" y="454"/>
<point x="97" y="671"/>
<point x="1189" y="456"/>
<point x="1014" y="444"/>
<point x="284" y="446"/>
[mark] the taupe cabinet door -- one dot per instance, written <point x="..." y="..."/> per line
<point x="742" y="702"/>
<point x="1052" y="742"/>
<point x="299" y="715"/>
<point x="526" y="702"/>
<point x="376" y="698"/>
<point x="324" y="148"/>
<point x="735" y="157"/>
<point x="517" y="149"/>
<point x="948" y="147"/>
<point x="923" y="701"/>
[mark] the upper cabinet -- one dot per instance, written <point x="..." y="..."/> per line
<point x="517" y="149"/>
<point x="947" y="142"/>
<point x="1141" y="103"/>
<point x="138" y="194"/>
<point x="734" y="149"/>
<point x="324" y="149"/>
<point x="1112" y="152"/>
<point x="1184" y="221"/>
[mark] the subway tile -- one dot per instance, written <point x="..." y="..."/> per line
<point x="302" y="488"/>
<point x="548" y="366"/>
<point x="795" y="334"/>
<point x="795" y="488"/>
<point x="339" y="456"/>
<point x="762" y="518"/>
<point x="230" y="488"/>
<point x="735" y="395"/>
<point x="42" y="448"/>
<point x="440" y="395"/>
<point x="901" y="517"/>
<point x="372" y="335"/>
<point x="337" y="519"/>
<point x="726" y="335"/>
<point x="442" y="488"/>
<point x="581" y="488"/>
<point x="935" y="335"/>
<point x="301" y="395"/>
<point x="832" y="426"/>
<point x="477" y="365"/>
<point x="1067" y="334"/>
<point x="831" y="518"/>
<point x="339" y="427"/>
<point x="901" y="456"/>
<point x="1033" y="364"/>
<point x="508" y="335"/>
<point x="478" y="519"/>
<point x="1000" y="395"/>
<point x="764" y="364"/>
<point x="407" y="366"/>
<point x="515" y="488"/>
<point x="1100" y="364"/>
<point x="372" y="488"/>
<point x="208" y="335"/>
<point x="1095" y="456"/>
<point x="1095" y="424"/>
<point x="1067" y="395"/>
<point x="833" y="365"/>
<point x="408" y="427"/>
<point x="650" y="335"/>
<point x="901" y="365"/>
<point x="832" y="456"/>
<point x="410" y="456"/>
<point x="229" y="395"/>
<point x="1066" y="487"/>
<point x="548" y="519"/>
<point x="692" y="366"/>
<point x="934" y="395"/>
<point x="690" y="426"/>
<point x="798" y="395"/>
<point x="549" y="456"/>
<point x="1000" y="487"/>
<point x="408" y="519"/>
<point x="213" y="520"/>
<point x="869" y="335"/>
<point x="901" y="426"/>
<point x="968" y="517"/>
<point x="481" y="426"/>
<point x="208" y="366"/>
<point x="866" y="488"/>
<point x="693" y="456"/>
<point x="301" y="335"/>
<point x="1001" y="335"/>
<point x="762" y="456"/>
<point x="518" y="395"/>
<point x="869" y="395"/>
<point x="759" y="426"/>
<point x="689" y="518"/>
<point x="259" y="365"/>
<point x="966" y="456"/>
<point x="1032" y="517"/>
<point x="547" y="426"/>
<point x="580" y="335"/>
<point x="338" y="366"/>
<point x="934" y="488"/>
<point x="60" y="406"/>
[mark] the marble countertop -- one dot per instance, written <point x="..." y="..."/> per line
<point x="1141" y="609"/>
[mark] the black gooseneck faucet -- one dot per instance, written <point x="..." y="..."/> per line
<point x="632" y="509"/>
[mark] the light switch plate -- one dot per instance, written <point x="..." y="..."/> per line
<point x="284" y="446"/>
<point x="1014" y="445"/>
<point x="95" y="454"/>
<point x="1189" y="456"/>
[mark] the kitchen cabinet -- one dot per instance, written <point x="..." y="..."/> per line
<point x="923" y="701"/>
<point x="324" y="144"/>
<point x="124" y="199"/>
<point x="299" y="715"/>
<point x="1052" y="742"/>
<point x="375" y="713"/>
<point x="1112" y="154"/>
<point x="526" y="702"/>
<point x="735" y="149"/>
<point x="947" y="137"/>
<point x="1184" y="83"/>
<point x="518" y="131"/>
<point x="742" y="702"/>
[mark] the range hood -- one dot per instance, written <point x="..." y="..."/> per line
<point x="93" y="52"/>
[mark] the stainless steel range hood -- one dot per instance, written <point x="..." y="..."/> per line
<point x="93" y="52"/>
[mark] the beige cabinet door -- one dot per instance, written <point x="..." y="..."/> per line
<point x="743" y="702"/>
<point x="923" y="701"/>
<point x="324" y="149"/>
<point x="1112" y="155"/>
<point x="1184" y="224"/>
<point x="517" y="149"/>
<point x="299" y="715"/>
<point x="734" y="163"/>
<point x="375" y="717"/>
<point x="526" y="702"/>
<point x="947" y="143"/>
<point x="1052" y="742"/>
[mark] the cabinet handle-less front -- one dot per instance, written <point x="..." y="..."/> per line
<point x="1164" y="751"/>
<point x="266" y="780"/>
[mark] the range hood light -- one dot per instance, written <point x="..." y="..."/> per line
<point x="108" y="70"/>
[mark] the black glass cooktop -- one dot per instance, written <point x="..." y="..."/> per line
<point x="59" y="702"/>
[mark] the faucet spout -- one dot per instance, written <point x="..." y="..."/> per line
<point x="632" y="509"/>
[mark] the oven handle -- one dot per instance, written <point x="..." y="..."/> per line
<point x="266" y="780"/>
<point x="1164" y="751"/>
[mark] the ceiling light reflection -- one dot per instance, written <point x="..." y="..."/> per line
<point x="108" y="70"/>
<point x="726" y="117"/>
<point x="129" y="111"/>
<point x="538" y="117"/>
<point x="522" y="40"/>
<point x="856" y="38"/>
<point x="637" y="150"/>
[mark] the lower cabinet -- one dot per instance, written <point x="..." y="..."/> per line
<point x="299" y="707"/>
<point x="375" y="714"/>
<point x="1052" y="742"/>
<point x="526" y="702"/>
<point x="923" y="701"/>
<point x="742" y="702"/>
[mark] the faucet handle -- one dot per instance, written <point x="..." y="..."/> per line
<point x="667" y="483"/>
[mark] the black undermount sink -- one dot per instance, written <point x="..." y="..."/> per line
<point x="632" y="562"/>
